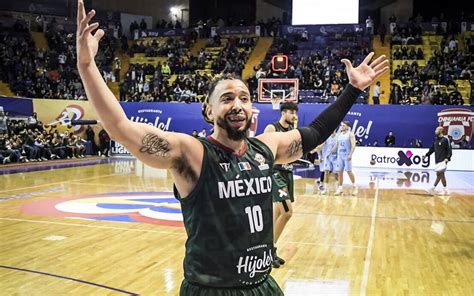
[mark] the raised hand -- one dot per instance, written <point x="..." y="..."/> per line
<point x="86" y="43"/>
<point x="365" y="74"/>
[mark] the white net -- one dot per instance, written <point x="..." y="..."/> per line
<point x="276" y="103"/>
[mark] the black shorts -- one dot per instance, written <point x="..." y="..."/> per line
<point x="268" y="287"/>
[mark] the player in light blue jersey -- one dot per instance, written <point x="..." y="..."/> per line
<point x="345" y="147"/>
<point x="327" y="163"/>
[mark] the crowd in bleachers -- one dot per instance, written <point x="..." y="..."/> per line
<point x="32" y="141"/>
<point x="52" y="73"/>
<point x="178" y="77"/>
<point x="407" y="35"/>
<point x="435" y="82"/>
<point x="233" y="56"/>
<point x="172" y="47"/>
<point x="146" y="83"/>
<point x="405" y="53"/>
<point x="314" y="60"/>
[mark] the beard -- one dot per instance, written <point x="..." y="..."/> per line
<point x="290" y="122"/>
<point x="234" y="133"/>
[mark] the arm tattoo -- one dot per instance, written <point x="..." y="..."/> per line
<point x="153" y="144"/>
<point x="294" y="147"/>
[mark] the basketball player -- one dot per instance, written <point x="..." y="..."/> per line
<point x="223" y="181"/>
<point x="443" y="153"/>
<point x="328" y="160"/>
<point x="282" y="183"/>
<point x="345" y="147"/>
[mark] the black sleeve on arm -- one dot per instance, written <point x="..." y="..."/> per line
<point x="430" y="151"/>
<point x="450" y="151"/>
<point x="322" y="126"/>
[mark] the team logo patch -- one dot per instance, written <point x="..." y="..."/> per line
<point x="260" y="159"/>
<point x="139" y="207"/>
<point x="244" y="166"/>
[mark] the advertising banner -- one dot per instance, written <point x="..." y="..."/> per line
<point x="322" y="30"/>
<point x="162" y="33"/>
<point x="64" y="113"/>
<point x="369" y="123"/>
<point x="409" y="158"/>
<point x="15" y="107"/>
<point x="247" y="30"/>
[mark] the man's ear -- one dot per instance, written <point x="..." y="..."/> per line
<point x="209" y="114"/>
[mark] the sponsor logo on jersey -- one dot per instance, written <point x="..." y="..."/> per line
<point x="225" y="166"/>
<point x="260" y="159"/>
<point x="244" y="187"/>
<point x="244" y="166"/>
<point x="254" y="264"/>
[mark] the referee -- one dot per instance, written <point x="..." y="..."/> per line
<point x="443" y="153"/>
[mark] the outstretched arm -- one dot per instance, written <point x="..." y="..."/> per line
<point x="151" y="145"/>
<point x="289" y="146"/>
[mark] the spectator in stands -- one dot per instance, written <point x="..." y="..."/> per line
<point x="117" y="68"/>
<point x="195" y="134"/>
<point x="464" y="143"/>
<point x="143" y="25"/>
<point x="382" y="32"/>
<point x="104" y="143"/>
<point x="369" y="25"/>
<point x="390" y="140"/>
<point x="165" y="69"/>
<point x="376" y="93"/>
<point x="455" y="97"/>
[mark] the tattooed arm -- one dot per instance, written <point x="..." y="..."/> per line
<point x="286" y="147"/>
<point x="179" y="152"/>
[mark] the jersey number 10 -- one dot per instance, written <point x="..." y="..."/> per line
<point x="255" y="218"/>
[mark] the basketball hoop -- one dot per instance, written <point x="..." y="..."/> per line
<point x="276" y="103"/>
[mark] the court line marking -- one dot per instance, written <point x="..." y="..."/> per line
<point x="57" y="183"/>
<point x="69" y="278"/>
<point x="368" y="254"/>
<point x="157" y="231"/>
<point x="118" y="186"/>
<point x="92" y="226"/>
<point x="382" y="217"/>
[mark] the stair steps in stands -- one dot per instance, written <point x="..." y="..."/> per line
<point x="5" y="90"/>
<point x="115" y="88"/>
<point x="385" y="78"/>
<point x="198" y="45"/>
<point x="40" y="40"/>
<point x="257" y="56"/>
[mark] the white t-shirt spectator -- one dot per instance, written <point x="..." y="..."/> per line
<point x="62" y="59"/>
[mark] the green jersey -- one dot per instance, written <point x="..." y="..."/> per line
<point x="280" y="128"/>
<point x="228" y="217"/>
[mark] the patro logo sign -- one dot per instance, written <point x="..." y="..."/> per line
<point x="404" y="158"/>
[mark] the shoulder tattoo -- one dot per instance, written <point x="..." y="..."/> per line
<point x="153" y="144"/>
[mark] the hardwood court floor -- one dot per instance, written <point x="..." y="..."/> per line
<point x="391" y="239"/>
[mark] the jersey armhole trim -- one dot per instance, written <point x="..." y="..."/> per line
<point x="199" y="183"/>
